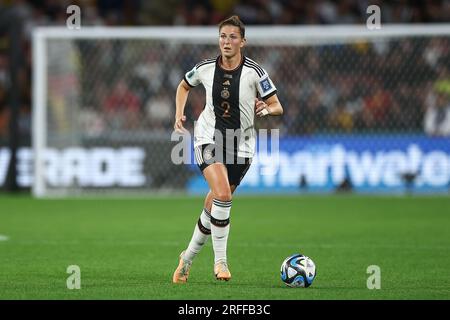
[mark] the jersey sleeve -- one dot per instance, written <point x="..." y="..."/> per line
<point x="265" y="86"/>
<point x="192" y="77"/>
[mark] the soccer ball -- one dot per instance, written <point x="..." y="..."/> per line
<point x="298" y="271"/>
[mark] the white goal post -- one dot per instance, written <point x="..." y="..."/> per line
<point x="62" y="59"/>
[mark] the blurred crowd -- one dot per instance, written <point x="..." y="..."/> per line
<point x="252" y="12"/>
<point x="384" y="86"/>
<point x="398" y="85"/>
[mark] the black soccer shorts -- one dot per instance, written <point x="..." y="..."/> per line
<point x="237" y="167"/>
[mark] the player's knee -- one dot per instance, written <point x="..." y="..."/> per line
<point x="223" y="194"/>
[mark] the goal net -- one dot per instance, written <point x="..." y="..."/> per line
<point x="362" y="108"/>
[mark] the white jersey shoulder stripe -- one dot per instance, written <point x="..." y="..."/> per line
<point x="260" y="74"/>
<point x="204" y="62"/>
<point x="253" y="63"/>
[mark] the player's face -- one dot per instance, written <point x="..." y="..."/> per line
<point x="230" y="41"/>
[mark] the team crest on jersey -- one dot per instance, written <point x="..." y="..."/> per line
<point x="265" y="85"/>
<point x="225" y="94"/>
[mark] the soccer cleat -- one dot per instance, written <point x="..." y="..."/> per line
<point x="181" y="274"/>
<point x="221" y="271"/>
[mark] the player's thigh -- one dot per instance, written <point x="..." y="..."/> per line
<point x="237" y="171"/>
<point x="217" y="177"/>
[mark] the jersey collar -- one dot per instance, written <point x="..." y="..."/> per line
<point x="219" y="58"/>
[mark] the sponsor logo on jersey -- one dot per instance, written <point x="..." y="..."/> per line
<point x="226" y="83"/>
<point x="265" y="85"/>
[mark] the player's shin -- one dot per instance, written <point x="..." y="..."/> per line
<point x="202" y="231"/>
<point x="220" y="220"/>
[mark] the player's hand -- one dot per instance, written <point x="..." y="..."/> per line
<point x="261" y="108"/>
<point x="178" y="126"/>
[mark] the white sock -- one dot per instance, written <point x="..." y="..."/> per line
<point x="202" y="231"/>
<point x="220" y="227"/>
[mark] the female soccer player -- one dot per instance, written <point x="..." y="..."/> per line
<point x="224" y="136"/>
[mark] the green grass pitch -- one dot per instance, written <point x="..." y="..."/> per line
<point x="128" y="248"/>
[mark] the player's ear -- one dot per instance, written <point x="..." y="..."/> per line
<point x="243" y="42"/>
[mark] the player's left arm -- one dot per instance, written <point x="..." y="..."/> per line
<point x="271" y="106"/>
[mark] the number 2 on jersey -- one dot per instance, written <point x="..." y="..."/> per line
<point x="226" y="106"/>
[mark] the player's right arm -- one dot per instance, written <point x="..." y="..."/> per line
<point x="180" y="103"/>
<point x="191" y="79"/>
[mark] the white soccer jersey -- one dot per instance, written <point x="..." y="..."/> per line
<point x="230" y="101"/>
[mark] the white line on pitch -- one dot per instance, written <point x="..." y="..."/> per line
<point x="3" y="237"/>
